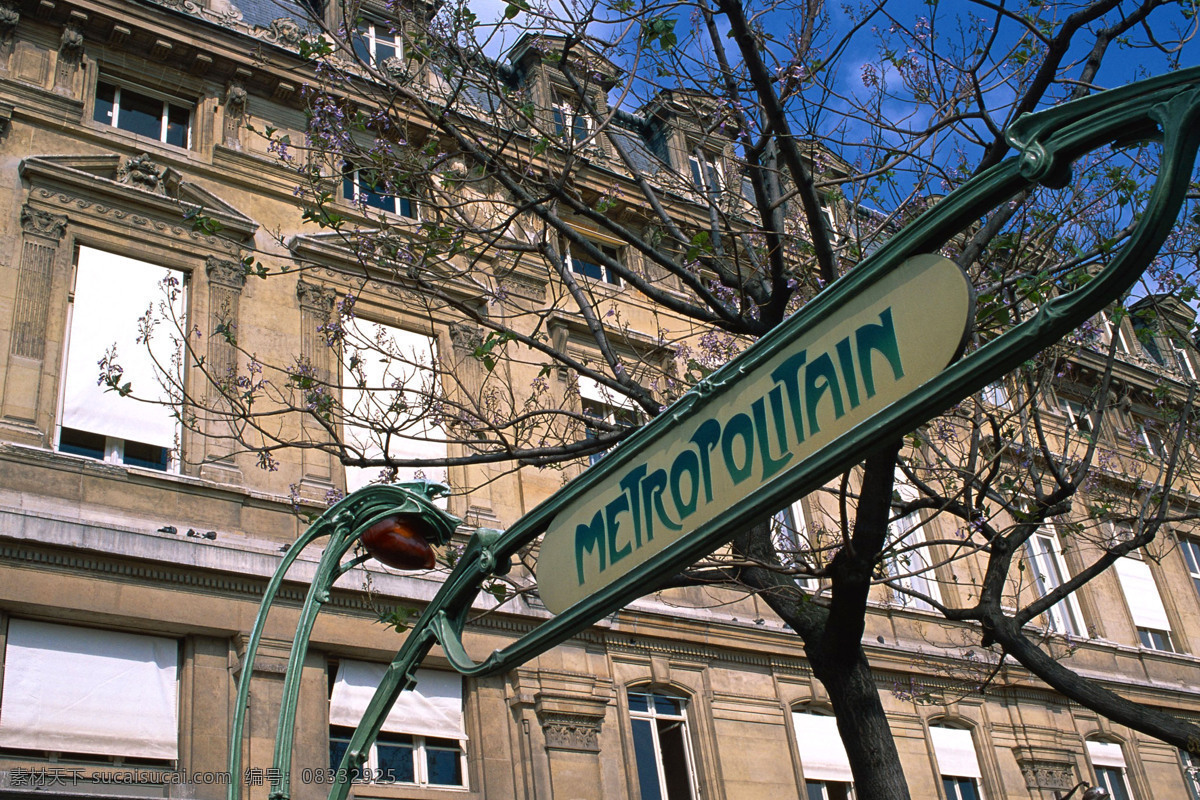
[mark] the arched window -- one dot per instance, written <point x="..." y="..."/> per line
<point x="662" y="746"/>
<point x="823" y="757"/>
<point x="958" y="765"/>
<point x="1108" y="762"/>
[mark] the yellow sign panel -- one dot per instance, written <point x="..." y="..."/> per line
<point x="874" y="350"/>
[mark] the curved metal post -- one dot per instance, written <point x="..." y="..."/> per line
<point x="1165" y="108"/>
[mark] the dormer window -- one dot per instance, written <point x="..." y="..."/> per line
<point x="376" y="42"/>
<point x="707" y="175"/>
<point x="570" y="123"/>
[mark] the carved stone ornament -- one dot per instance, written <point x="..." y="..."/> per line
<point x="318" y="299"/>
<point x="142" y="172"/>
<point x="225" y="272"/>
<point x="1047" y="775"/>
<point x="285" y="31"/>
<point x="394" y="67"/>
<point x="43" y="223"/>
<point x="235" y="98"/>
<point x="571" y="732"/>
<point x="465" y="337"/>
<point x="9" y="17"/>
<point x="71" y="42"/>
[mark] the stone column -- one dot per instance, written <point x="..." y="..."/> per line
<point x="225" y="281"/>
<point x="316" y="309"/>
<point x="70" y="56"/>
<point x="571" y="728"/>
<point x="28" y="394"/>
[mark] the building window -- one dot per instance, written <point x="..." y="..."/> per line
<point x="89" y="692"/>
<point x="587" y="265"/>
<point x="604" y="405"/>
<point x="1191" y="554"/>
<point x="1145" y="604"/>
<point x="996" y="394"/>
<point x="1146" y="438"/>
<point x="823" y="759"/>
<point x="1049" y="572"/>
<point x="570" y="123"/>
<point x="790" y="533"/>
<point x="910" y="567"/>
<point x="707" y="175"/>
<point x="1109" y="329"/>
<point x="1108" y="760"/>
<point x="116" y="299"/>
<point x="1183" y="361"/>
<point x="662" y="747"/>
<point x="1077" y="416"/>
<point x="376" y="42"/>
<point x="154" y="117"/>
<point x="958" y="765"/>
<point x="367" y="187"/>
<point x="422" y="740"/>
<point x="1191" y="773"/>
<point x="390" y="401"/>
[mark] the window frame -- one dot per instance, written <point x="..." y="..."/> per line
<point x="566" y="116"/>
<point x="596" y="271"/>
<point x="790" y="532"/>
<point x="702" y="169"/>
<point x="652" y="717"/>
<point x="1105" y="767"/>
<point x="367" y="33"/>
<point x="362" y="196"/>
<point x="953" y="782"/>
<point x="169" y="103"/>
<point x="407" y="345"/>
<point x="1072" y="623"/>
<point x="919" y="575"/>
<point x="419" y="747"/>
<point x="114" y="449"/>
<point x="1190" y="548"/>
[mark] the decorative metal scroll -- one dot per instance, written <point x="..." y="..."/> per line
<point x="1166" y="109"/>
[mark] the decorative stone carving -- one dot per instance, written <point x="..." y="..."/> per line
<point x="9" y="17"/>
<point x="285" y="31"/>
<point x="225" y="272"/>
<point x="1047" y="775"/>
<point x="70" y="53"/>
<point x="235" y="113"/>
<point x="43" y="223"/>
<point x="141" y="171"/>
<point x="571" y="732"/>
<point x="315" y="298"/>
<point x="465" y="337"/>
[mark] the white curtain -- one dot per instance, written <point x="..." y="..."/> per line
<point x="80" y="690"/>
<point x="432" y="708"/>
<point x="955" y="750"/>
<point x="1141" y="593"/>
<point x="112" y="293"/>
<point x="821" y="750"/>
<point x="388" y="361"/>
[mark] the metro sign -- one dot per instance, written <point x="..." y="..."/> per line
<point x="874" y="350"/>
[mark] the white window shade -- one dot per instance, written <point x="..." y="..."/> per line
<point x="1106" y="754"/>
<point x="79" y="690"/>
<point x="591" y="389"/>
<point x="1141" y="593"/>
<point x="822" y="753"/>
<point x="391" y="412"/>
<point x="112" y="293"/>
<point x="955" y="750"/>
<point x="432" y="708"/>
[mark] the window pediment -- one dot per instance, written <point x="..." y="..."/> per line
<point x="124" y="185"/>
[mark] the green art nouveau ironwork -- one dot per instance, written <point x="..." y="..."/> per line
<point x="1165" y="109"/>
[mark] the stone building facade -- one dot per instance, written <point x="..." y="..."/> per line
<point x="130" y="574"/>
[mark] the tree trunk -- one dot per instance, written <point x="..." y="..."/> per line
<point x="863" y="726"/>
